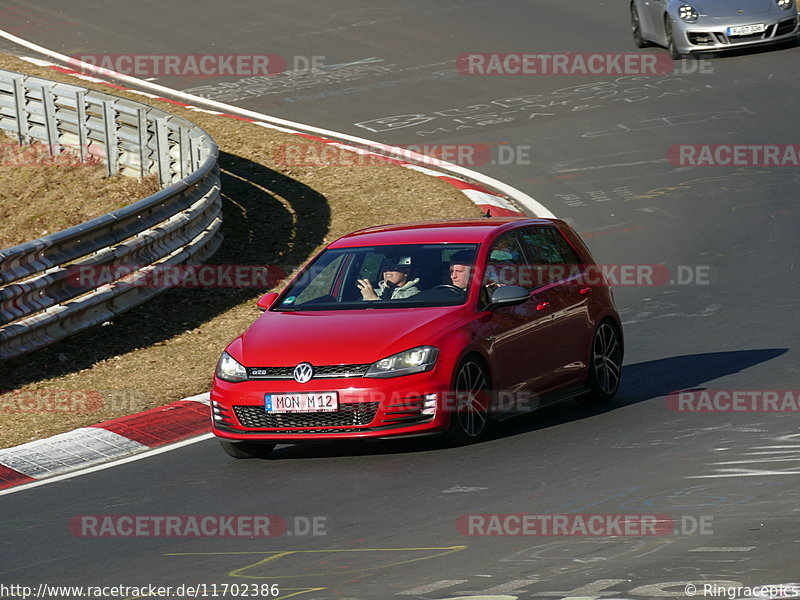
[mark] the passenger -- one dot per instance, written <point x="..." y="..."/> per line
<point x="395" y="284"/>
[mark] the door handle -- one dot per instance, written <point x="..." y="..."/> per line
<point x="585" y="291"/>
<point x="543" y="306"/>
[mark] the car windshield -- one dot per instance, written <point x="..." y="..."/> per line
<point x="396" y="276"/>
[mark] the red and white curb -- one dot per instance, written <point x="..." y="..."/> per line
<point x="104" y="442"/>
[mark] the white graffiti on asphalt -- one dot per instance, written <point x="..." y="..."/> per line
<point x="501" y="111"/>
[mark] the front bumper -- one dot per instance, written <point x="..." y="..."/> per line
<point x="368" y="408"/>
<point x="696" y="38"/>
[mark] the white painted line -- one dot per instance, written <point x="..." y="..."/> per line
<point x="270" y="126"/>
<point x="35" y="61"/>
<point x="755" y="460"/>
<point x="742" y="473"/>
<point x="772" y="452"/>
<point x="432" y="587"/>
<point x="108" y="465"/>
<point x="432" y="172"/>
<point x="532" y="205"/>
<point x="724" y="549"/>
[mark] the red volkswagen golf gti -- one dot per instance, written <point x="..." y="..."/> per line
<point x="419" y="329"/>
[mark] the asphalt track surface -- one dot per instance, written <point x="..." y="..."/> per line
<point x="598" y="158"/>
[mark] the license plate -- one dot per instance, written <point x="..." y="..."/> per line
<point x="747" y="29"/>
<point x="302" y="402"/>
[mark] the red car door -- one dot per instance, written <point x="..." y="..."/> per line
<point x="522" y="335"/>
<point x="571" y="290"/>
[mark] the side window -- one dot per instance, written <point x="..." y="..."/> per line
<point x="551" y="255"/>
<point x="321" y="284"/>
<point x="506" y="265"/>
<point x="567" y="254"/>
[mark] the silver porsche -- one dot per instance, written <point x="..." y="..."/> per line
<point x="688" y="26"/>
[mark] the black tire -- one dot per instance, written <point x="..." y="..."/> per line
<point x="246" y="449"/>
<point x="470" y="419"/>
<point x="605" y="365"/>
<point x="636" y="28"/>
<point x="673" y="51"/>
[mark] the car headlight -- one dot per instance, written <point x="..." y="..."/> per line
<point x="785" y="4"/>
<point x="416" y="360"/>
<point x="688" y="13"/>
<point x="228" y="369"/>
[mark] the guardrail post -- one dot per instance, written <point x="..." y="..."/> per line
<point x="110" y="131"/>
<point x="51" y="124"/>
<point x="162" y="150"/>
<point x="193" y="153"/>
<point x="202" y="154"/>
<point x="144" y="151"/>
<point x="83" y="130"/>
<point x="185" y="150"/>
<point x="22" y="114"/>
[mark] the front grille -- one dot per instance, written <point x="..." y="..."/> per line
<point x="321" y="372"/>
<point x="358" y="413"/>
<point x="307" y="431"/>
<point x="787" y="26"/>
<point x="741" y="39"/>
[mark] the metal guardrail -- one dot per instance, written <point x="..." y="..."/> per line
<point x="40" y="302"/>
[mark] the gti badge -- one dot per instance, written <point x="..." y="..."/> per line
<point x="303" y="372"/>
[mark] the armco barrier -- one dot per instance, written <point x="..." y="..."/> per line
<point x="181" y="223"/>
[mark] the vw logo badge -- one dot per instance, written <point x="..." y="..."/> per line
<point x="303" y="372"/>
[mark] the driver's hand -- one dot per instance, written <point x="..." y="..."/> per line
<point x="365" y="287"/>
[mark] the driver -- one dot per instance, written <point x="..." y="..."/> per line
<point x="461" y="268"/>
<point x="395" y="285"/>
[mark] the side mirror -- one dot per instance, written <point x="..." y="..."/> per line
<point x="509" y="295"/>
<point x="266" y="300"/>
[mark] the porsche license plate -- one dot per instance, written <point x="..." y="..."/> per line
<point x="302" y="402"/>
<point x="747" y="29"/>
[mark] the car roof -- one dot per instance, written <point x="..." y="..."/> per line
<point x="457" y="231"/>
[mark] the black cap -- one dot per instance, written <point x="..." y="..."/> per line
<point x="402" y="263"/>
<point x="462" y="257"/>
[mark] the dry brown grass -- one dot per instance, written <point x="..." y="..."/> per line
<point x="41" y="195"/>
<point x="166" y="349"/>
